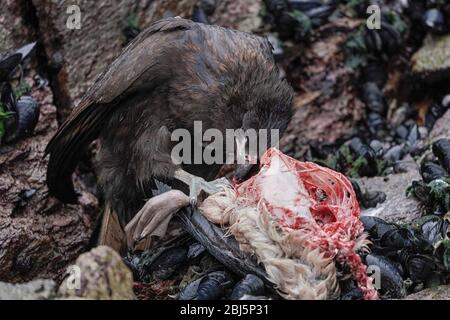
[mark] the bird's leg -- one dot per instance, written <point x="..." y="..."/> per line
<point x="198" y="184"/>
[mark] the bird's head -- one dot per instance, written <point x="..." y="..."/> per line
<point x="262" y="126"/>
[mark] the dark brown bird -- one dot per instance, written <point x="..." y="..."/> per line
<point x="174" y="73"/>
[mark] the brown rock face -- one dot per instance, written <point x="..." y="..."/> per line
<point x="77" y="56"/>
<point x="12" y="31"/>
<point x="327" y="106"/>
<point x="39" y="236"/>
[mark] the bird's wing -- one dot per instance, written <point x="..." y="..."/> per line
<point x="138" y="67"/>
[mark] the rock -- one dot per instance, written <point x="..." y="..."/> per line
<point x="13" y="32"/>
<point x="441" y="128"/>
<point x="240" y="15"/>
<point x="432" y="61"/>
<point x="39" y="236"/>
<point x="149" y="11"/>
<point x="34" y="290"/>
<point x="77" y="56"/>
<point x="322" y="116"/>
<point x="438" y="293"/>
<point x="103" y="276"/>
<point x="398" y="207"/>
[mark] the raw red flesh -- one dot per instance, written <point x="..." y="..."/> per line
<point x="319" y="201"/>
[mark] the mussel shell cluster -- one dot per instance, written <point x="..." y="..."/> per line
<point x="220" y="284"/>
<point x="407" y="258"/>
<point x="210" y="281"/>
<point x="295" y="19"/>
<point x="22" y="112"/>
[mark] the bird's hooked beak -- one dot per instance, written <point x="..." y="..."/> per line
<point x="242" y="171"/>
<point x="246" y="158"/>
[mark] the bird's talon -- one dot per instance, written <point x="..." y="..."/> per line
<point x="193" y="201"/>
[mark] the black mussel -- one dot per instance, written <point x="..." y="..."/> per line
<point x="391" y="283"/>
<point x="418" y="267"/>
<point x="394" y="154"/>
<point x="435" y="112"/>
<point x="431" y="171"/>
<point x="195" y="251"/>
<point x="398" y="239"/>
<point x="319" y="15"/>
<point x="357" y="189"/>
<point x="421" y="191"/>
<point x="441" y="150"/>
<point x="401" y="132"/>
<point x="376" y="227"/>
<point x="8" y="98"/>
<point x="434" y="21"/>
<point x="250" y="285"/>
<point x="190" y="291"/>
<point x="412" y="137"/>
<point x="365" y="152"/>
<point x="165" y="265"/>
<point x="132" y="262"/>
<point x="209" y="6"/>
<point x="433" y="229"/>
<point x="199" y="15"/>
<point x="353" y="294"/>
<point x="375" y="122"/>
<point x="9" y="61"/>
<point x="373" y="97"/>
<point x="8" y="64"/>
<point x="368" y="199"/>
<point x="373" y="198"/>
<point x="375" y="72"/>
<point x="386" y="40"/>
<point x="378" y="147"/>
<point x="26" y="115"/>
<point x="214" y="285"/>
<point x="304" y="5"/>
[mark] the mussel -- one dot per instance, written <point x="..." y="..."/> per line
<point x="373" y="98"/>
<point x="251" y="285"/>
<point x="365" y="152"/>
<point x="386" y="40"/>
<point x="441" y="150"/>
<point x="435" y="112"/>
<point x="431" y="171"/>
<point x="165" y="265"/>
<point x="190" y="291"/>
<point x="391" y="283"/>
<point x="418" y="267"/>
<point x="10" y="61"/>
<point x="195" y="251"/>
<point x="199" y="15"/>
<point x="214" y="285"/>
<point x="376" y="123"/>
<point x="26" y="117"/>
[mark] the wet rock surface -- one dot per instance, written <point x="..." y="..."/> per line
<point x="34" y="290"/>
<point x="103" y="276"/>
<point x="34" y="227"/>
<point x="438" y="293"/>
<point x="397" y="207"/>
<point x="432" y="61"/>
